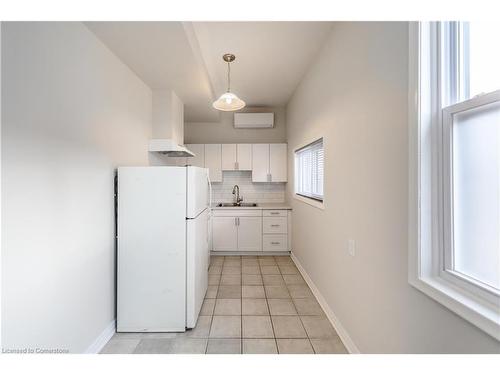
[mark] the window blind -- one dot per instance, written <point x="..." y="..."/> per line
<point x="309" y="166"/>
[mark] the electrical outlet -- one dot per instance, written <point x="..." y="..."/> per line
<point x="351" y="247"/>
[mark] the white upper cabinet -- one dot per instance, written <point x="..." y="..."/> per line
<point x="229" y="158"/>
<point x="237" y="157"/>
<point x="277" y="162"/>
<point x="213" y="161"/>
<point x="260" y="162"/>
<point x="269" y="162"/>
<point x="199" y="159"/>
<point x="244" y="156"/>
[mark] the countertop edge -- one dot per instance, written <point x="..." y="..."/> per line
<point x="259" y="207"/>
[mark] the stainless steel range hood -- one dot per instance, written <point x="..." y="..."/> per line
<point x="169" y="147"/>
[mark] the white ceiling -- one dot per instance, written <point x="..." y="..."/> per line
<point x="271" y="58"/>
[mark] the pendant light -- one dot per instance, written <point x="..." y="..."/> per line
<point x="228" y="101"/>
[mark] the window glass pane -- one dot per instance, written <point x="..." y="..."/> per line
<point x="309" y="170"/>
<point x="476" y="193"/>
<point x="484" y="57"/>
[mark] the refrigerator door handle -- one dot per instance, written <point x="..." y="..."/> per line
<point x="209" y="193"/>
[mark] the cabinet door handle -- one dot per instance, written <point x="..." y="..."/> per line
<point x="235" y="221"/>
<point x="275" y="243"/>
<point x="275" y="225"/>
<point x="275" y="213"/>
<point x="236" y="165"/>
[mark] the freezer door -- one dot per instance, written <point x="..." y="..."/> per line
<point x="197" y="266"/>
<point x="197" y="190"/>
<point x="151" y="274"/>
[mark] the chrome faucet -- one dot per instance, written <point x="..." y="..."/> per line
<point x="236" y="190"/>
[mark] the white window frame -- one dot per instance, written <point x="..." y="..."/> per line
<point x="429" y="184"/>
<point x="446" y="268"/>
<point x="318" y="202"/>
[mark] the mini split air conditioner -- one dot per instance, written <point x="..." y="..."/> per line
<point x="253" y="120"/>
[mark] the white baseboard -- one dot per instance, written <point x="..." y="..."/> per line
<point x="344" y="336"/>
<point x="102" y="339"/>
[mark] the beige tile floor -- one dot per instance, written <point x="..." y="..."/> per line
<point x="253" y="305"/>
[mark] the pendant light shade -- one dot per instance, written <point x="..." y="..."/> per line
<point x="228" y="101"/>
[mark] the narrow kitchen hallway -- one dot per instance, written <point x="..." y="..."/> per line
<point x="253" y="305"/>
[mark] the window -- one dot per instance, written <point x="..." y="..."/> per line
<point x="455" y="168"/>
<point x="472" y="191"/>
<point x="309" y="162"/>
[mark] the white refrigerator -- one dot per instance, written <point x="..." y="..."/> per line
<point x="163" y="256"/>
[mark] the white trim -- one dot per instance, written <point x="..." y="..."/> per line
<point x="447" y="270"/>
<point x="102" y="339"/>
<point x="309" y="201"/>
<point x="424" y="232"/>
<point x="344" y="336"/>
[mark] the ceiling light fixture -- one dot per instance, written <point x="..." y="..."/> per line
<point x="228" y="101"/>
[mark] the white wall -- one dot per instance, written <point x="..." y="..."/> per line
<point x="224" y="131"/>
<point x="72" y="112"/>
<point x="355" y="96"/>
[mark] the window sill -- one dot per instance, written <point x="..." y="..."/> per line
<point x="310" y="202"/>
<point x="482" y="314"/>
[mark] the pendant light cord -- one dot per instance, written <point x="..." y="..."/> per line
<point x="228" y="77"/>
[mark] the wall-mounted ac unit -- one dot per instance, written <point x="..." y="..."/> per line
<point x="253" y="120"/>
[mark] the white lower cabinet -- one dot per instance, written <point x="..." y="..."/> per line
<point x="224" y="233"/>
<point x="249" y="233"/>
<point x="274" y="242"/>
<point x="250" y="230"/>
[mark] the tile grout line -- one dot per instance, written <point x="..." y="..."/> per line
<point x="269" y="309"/>
<point x="213" y="311"/>
<point x="300" y="319"/>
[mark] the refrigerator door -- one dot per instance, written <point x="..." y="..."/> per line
<point x="197" y="266"/>
<point x="151" y="273"/>
<point x="197" y="191"/>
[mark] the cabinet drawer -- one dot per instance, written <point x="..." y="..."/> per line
<point x="274" y="213"/>
<point x="275" y="225"/>
<point x="234" y="212"/>
<point x="274" y="242"/>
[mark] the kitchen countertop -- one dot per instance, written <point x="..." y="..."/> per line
<point x="260" y="206"/>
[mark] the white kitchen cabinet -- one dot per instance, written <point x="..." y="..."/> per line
<point x="260" y="162"/>
<point x="237" y="157"/>
<point x="249" y="233"/>
<point x="277" y="162"/>
<point x="224" y="233"/>
<point x="274" y="242"/>
<point x="238" y="230"/>
<point x="244" y="156"/>
<point x="229" y="158"/>
<point x="269" y="162"/>
<point x="213" y="161"/>
<point x="199" y="159"/>
<point x="273" y="225"/>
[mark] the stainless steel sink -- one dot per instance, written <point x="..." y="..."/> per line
<point x="237" y="205"/>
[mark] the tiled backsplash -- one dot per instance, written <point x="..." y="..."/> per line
<point x="251" y="192"/>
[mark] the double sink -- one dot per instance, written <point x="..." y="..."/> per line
<point x="237" y="205"/>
